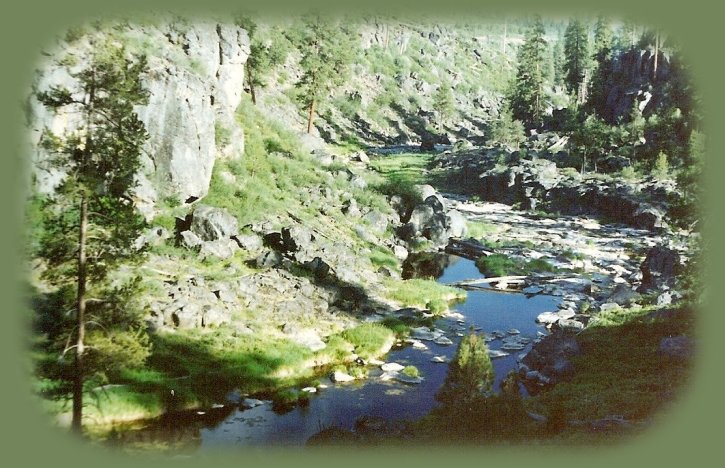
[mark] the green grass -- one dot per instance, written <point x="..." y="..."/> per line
<point x="403" y="167"/>
<point x="421" y="292"/>
<point x="571" y="255"/>
<point x="496" y="265"/>
<point x="369" y="339"/>
<point x="620" y="371"/>
<point x="380" y="257"/>
<point x="411" y="371"/>
<point x="480" y="229"/>
<point x="269" y="175"/>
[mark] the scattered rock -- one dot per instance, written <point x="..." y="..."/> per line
<point x="443" y="341"/>
<point x="269" y="259"/>
<point x="392" y="367"/>
<point x="249" y="403"/>
<point x="340" y="377"/>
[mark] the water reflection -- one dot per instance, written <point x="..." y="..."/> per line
<point x="342" y="405"/>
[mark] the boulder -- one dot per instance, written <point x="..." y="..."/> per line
<point x="318" y="267"/>
<point x="551" y="356"/>
<point x="361" y="156"/>
<point x="392" y="367"/>
<point x="210" y="223"/>
<point x="659" y="268"/>
<point x="306" y="337"/>
<point x="340" y="377"/>
<point x="623" y="295"/>
<point x="457" y="224"/>
<point x="421" y="216"/>
<point x="377" y="220"/>
<point x="400" y="252"/>
<point x="434" y="202"/>
<point x="220" y="248"/>
<point x="190" y="240"/>
<point x="249" y="242"/>
<point x="269" y="259"/>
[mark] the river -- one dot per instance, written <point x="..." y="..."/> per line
<point x="342" y="404"/>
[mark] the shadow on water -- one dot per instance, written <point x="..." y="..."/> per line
<point x="341" y="405"/>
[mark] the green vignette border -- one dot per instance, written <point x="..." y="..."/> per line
<point x="685" y="434"/>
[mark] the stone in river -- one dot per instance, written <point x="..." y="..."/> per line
<point x="513" y="331"/>
<point x="422" y="333"/>
<point x="513" y="346"/>
<point x="338" y="376"/>
<point x="392" y="367"/>
<point x="407" y="378"/>
<point x="251" y="403"/>
<point x="443" y="341"/>
<point x="495" y="353"/>
<point x="438" y="359"/>
<point x="417" y="344"/>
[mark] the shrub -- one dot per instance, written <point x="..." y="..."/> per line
<point x="411" y="371"/>
<point x="437" y="306"/>
<point x="470" y="373"/>
<point x="661" y="169"/>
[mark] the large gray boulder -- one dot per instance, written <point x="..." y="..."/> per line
<point x="457" y="224"/>
<point x="421" y="216"/>
<point x="210" y="223"/>
<point x="659" y="268"/>
<point x="551" y="357"/>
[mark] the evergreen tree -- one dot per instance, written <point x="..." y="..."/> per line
<point x="576" y="58"/>
<point x="470" y="373"/>
<point x="528" y="94"/>
<point x="91" y="222"/>
<point x="591" y="139"/>
<point x="602" y="57"/>
<point x="507" y="131"/>
<point x="327" y="52"/>
<point x="443" y="103"/>
<point x="266" y="51"/>
<point x="558" y="63"/>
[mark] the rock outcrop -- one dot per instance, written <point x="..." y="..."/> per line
<point x="659" y="268"/>
<point x="537" y="184"/>
<point x="194" y="78"/>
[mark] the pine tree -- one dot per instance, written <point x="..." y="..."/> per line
<point x="576" y="58"/>
<point x="327" y="52"/>
<point x="91" y="221"/>
<point x="265" y="53"/>
<point x="602" y="57"/>
<point x="558" y="63"/>
<point x="470" y="373"/>
<point x="507" y="131"/>
<point x="528" y="94"/>
<point x="443" y="103"/>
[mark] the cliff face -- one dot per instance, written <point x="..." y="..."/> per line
<point x="633" y="81"/>
<point x="194" y="78"/>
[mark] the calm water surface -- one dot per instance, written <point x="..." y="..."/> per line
<point x="342" y="404"/>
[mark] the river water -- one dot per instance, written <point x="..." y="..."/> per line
<point x="342" y="404"/>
